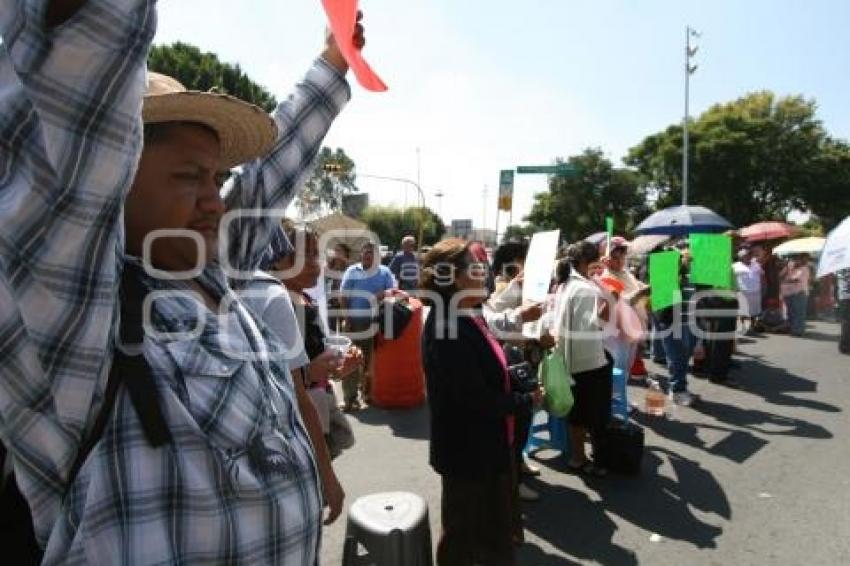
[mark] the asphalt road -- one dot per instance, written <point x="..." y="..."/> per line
<point x="756" y="475"/>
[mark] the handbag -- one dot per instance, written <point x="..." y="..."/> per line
<point x="391" y="324"/>
<point x="523" y="379"/>
<point x="620" y="448"/>
<point x="557" y="383"/>
<point x="628" y="322"/>
<point x="556" y="379"/>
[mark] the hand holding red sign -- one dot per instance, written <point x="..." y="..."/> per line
<point x="343" y="17"/>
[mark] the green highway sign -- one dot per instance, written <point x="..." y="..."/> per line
<point x="561" y="169"/>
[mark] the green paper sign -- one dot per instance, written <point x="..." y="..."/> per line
<point x="664" y="279"/>
<point x="711" y="260"/>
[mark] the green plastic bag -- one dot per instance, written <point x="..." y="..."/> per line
<point x="557" y="382"/>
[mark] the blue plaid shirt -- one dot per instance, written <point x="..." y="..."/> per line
<point x="238" y="482"/>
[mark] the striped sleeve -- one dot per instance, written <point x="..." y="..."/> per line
<point x="258" y="194"/>
<point x="70" y="138"/>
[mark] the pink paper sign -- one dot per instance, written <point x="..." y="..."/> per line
<point x="342" y="15"/>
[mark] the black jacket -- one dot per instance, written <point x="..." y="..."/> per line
<point x="467" y="400"/>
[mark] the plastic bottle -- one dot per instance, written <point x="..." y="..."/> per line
<point x="655" y="400"/>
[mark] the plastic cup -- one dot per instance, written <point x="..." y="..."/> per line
<point x="338" y="343"/>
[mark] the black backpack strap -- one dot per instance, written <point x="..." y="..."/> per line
<point x="131" y="369"/>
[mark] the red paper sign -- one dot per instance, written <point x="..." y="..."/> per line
<point x="342" y="15"/>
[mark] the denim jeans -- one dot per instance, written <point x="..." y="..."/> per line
<point x="718" y="351"/>
<point x="656" y="344"/>
<point x="678" y="345"/>
<point x="796" y="306"/>
<point x="623" y="354"/>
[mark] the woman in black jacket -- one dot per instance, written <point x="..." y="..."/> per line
<point x="472" y="408"/>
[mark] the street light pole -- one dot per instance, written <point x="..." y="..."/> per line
<point x="409" y="182"/>
<point x="689" y="70"/>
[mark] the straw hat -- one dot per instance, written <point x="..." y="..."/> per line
<point x="245" y="131"/>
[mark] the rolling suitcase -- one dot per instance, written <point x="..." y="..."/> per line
<point x="621" y="448"/>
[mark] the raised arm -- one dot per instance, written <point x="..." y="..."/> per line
<point x="71" y="85"/>
<point x="270" y="183"/>
<point x="74" y="72"/>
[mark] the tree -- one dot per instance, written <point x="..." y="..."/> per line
<point x="756" y="158"/>
<point x="811" y="227"/>
<point x="392" y="224"/>
<point x="197" y="70"/>
<point x="578" y="205"/>
<point x="333" y="177"/>
<point x="519" y="232"/>
<point x="828" y="193"/>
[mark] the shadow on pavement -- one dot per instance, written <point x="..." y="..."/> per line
<point x="530" y="553"/>
<point x="818" y="336"/>
<point x="572" y="523"/>
<point x="583" y="529"/>
<point x="774" y="384"/>
<point x="737" y="445"/>
<point x="662" y="505"/>
<point x="405" y="423"/>
<point x="761" y="422"/>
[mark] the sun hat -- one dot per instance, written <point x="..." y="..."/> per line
<point x="616" y="242"/>
<point x="245" y="131"/>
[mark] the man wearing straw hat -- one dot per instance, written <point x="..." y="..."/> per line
<point x="235" y="478"/>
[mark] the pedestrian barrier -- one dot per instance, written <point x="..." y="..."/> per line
<point x="393" y="527"/>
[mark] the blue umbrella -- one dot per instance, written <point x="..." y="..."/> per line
<point x="682" y="220"/>
<point x="596" y="238"/>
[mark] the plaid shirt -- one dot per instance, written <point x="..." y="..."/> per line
<point x="238" y="481"/>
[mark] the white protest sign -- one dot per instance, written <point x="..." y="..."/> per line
<point x="539" y="264"/>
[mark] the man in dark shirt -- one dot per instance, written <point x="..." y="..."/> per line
<point x="405" y="266"/>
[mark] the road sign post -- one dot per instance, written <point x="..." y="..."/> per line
<point x="559" y="170"/>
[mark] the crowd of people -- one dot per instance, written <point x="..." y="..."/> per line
<point x="167" y="392"/>
<point x="600" y="319"/>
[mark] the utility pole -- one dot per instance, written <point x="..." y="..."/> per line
<point x="484" y="212"/>
<point x="689" y="70"/>
<point x="439" y="195"/>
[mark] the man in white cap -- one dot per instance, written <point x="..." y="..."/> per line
<point x="233" y="475"/>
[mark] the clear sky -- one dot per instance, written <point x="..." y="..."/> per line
<point x="483" y="85"/>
